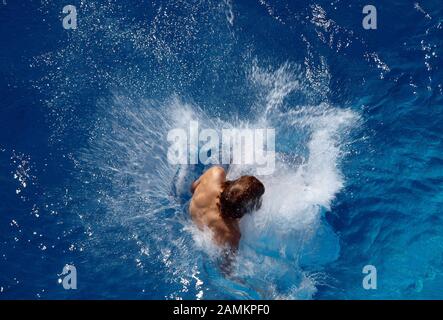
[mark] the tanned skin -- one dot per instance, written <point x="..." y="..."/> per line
<point x="205" y="208"/>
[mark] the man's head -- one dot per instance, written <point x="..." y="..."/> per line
<point x="241" y="196"/>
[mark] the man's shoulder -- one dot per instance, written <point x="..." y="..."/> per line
<point x="216" y="171"/>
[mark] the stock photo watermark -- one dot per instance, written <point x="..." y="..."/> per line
<point x="69" y="281"/>
<point x="70" y="20"/>
<point x="370" y="280"/>
<point x="370" y="19"/>
<point x="253" y="147"/>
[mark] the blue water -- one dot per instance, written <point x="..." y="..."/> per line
<point x="84" y="178"/>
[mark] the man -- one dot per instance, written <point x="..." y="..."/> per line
<point x="219" y="204"/>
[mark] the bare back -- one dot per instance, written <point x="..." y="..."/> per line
<point x="205" y="208"/>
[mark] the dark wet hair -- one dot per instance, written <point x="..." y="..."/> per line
<point x="241" y="196"/>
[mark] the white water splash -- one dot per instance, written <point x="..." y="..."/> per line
<point x="284" y="244"/>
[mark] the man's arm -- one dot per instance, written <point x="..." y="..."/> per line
<point x="229" y="253"/>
